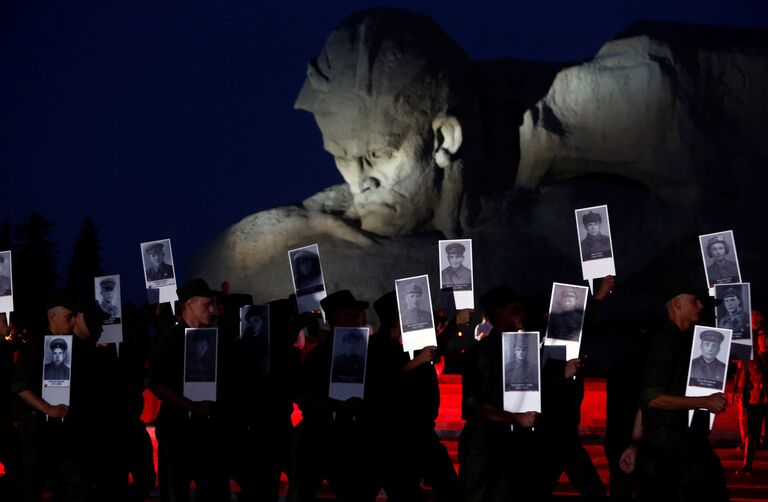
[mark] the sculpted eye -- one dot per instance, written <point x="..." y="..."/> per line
<point x="381" y="154"/>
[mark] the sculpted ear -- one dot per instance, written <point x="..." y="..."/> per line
<point x="448" y="138"/>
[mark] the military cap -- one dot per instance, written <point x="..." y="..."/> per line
<point x="61" y="298"/>
<point x="58" y="343"/>
<point x="455" y="248"/>
<point x="154" y="248"/>
<point x="107" y="283"/>
<point x="343" y="299"/>
<point x="591" y="217"/>
<point x="351" y="337"/>
<point x="195" y="287"/>
<point x="732" y="292"/>
<point x="414" y="288"/>
<point x="521" y="340"/>
<point x="715" y="240"/>
<point x="386" y="308"/>
<point x="304" y="254"/>
<point x="711" y="336"/>
<point x="674" y="284"/>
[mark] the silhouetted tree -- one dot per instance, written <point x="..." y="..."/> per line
<point x="34" y="271"/>
<point x="86" y="262"/>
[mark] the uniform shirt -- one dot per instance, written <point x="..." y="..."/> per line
<point x="713" y="371"/>
<point x="595" y="247"/>
<point x="162" y="271"/>
<point x="459" y="278"/>
<point x="416" y="318"/>
<point x="722" y="274"/>
<point x="738" y="322"/>
<point x="110" y="309"/>
<point x="53" y="371"/>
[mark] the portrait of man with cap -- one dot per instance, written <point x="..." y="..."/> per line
<point x="521" y="369"/>
<point x="412" y="316"/>
<point x="707" y="370"/>
<point x="349" y="358"/>
<point x="307" y="274"/>
<point x="732" y="313"/>
<point x="156" y="269"/>
<point x="720" y="269"/>
<point x="456" y="276"/>
<point x="109" y="300"/>
<point x="5" y="274"/>
<point x="57" y="369"/>
<point x="595" y="245"/>
<point x="567" y="316"/>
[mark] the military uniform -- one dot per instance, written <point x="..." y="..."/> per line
<point x="53" y="371"/>
<point x="722" y="273"/>
<point x="702" y="370"/>
<point x="566" y="325"/>
<point x="459" y="278"/>
<point x="110" y="309"/>
<point x="416" y="317"/>
<point x="595" y="247"/>
<point x="738" y="322"/>
<point x="162" y="271"/>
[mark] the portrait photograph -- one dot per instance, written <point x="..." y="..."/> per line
<point x="709" y="357"/>
<point x="255" y="337"/>
<point x="57" y="360"/>
<point x="566" y="312"/>
<point x="350" y="349"/>
<point x="200" y="355"/>
<point x="734" y="310"/>
<point x="521" y="361"/>
<point x="414" y="303"/>
<point x="6" y="277"/>
<point x="107" y="291"/>
<point x="455" y="258"/>
<point x="721" y="264"/>
<point x="158" y="263"/>
<point x="594" y="233"/>
<point x="306" y="271"/>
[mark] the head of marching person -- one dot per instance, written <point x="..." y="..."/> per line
<point x="386" y="310"/>
<point x="196" y="300"/>
<point x="685" y="301"/>
<point x="343" y="310"/>
<point x="504" y="309"/>
<point x="89" y="321"/>
<point x="62" y="309"/>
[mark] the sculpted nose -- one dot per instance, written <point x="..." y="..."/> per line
<point x="369" y="183"/>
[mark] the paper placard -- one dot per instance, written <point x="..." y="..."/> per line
<point x="6" y="284"/>
<point x="255" y="338"/>
<point x="522" y="371"/>
<point x="107" y="294"/>
<point x="595" y="244"/>
<point x="721" y="263"/>
<point x="735" y="310"/>
<point x="708" y="366"/>
<point x="456" y="271"/>
<point x="414" y="305"/>
<point x="567" y="305"/>
<point x="307" y="277"/>
<point x="348" y="363"/>
<point x="200" y="363"/>
<point x="57" y="369"/>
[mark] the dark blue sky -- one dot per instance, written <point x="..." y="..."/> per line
<point x="175" y="119"/>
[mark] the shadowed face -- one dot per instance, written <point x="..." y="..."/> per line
<point x="156" y="257"/>
<point x="593" y="228"/>
<point x="412" y="301"/>
<point x="455" y="260"/>
<point x="709" y="350"/>
<point x="732" y="304"/>
<point x="718" y="251"/>
<point x="57" y="356"/>
<point x="520" y="353"/>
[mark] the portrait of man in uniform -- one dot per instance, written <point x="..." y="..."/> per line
<point x="200" y="356"/>
<point x="706" y="369"/>
<point x="595" y="245"/>
<point x="566" y="313"/>
<point x="717" y="250"/>
<point x="413" y="314"/>
<point x="108" y="296"/>
<point x="521" y="364"/>
<point x="306" y="270"/>
<point x="349" y="357"/>
<point x="733" y="313"/>
<point x="5" y="273"/>
<point x="56" y="368"/>
<point x="155" y="266"/>
<point x="456" y="276"/>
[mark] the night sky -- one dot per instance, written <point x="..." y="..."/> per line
<point x="175" y="118"/>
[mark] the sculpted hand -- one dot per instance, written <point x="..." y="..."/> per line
<point x="58" y="411"/>
<point x="627" y="459"/>
<point x="715" y="402"/>
<point x="462" y="316"/>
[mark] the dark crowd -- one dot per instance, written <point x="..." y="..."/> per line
<point x="97" y="448"/>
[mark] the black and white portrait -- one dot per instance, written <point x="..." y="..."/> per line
<point x="158" y="263"/>
<point x="708" y="359"/>
<point x="456" y="265"/>
<point x="734" y="311"/>
<point x="720" y="261"/>
<point x="350" y="347"/>
<point x="306" y="270"/>
<point x="594" y="233"/>
<point x="414" y="303"/>
<point x="255" y="337"/>
<point x="566" y="312"/>
<point x="200" y="355"/>
<point x="57" y="360"/>
<point x="108" y="296"/>
<point x="521" y="361"/>
<point x="6" y="283"/>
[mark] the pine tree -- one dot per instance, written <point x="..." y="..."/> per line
<point x="86" y="262"/>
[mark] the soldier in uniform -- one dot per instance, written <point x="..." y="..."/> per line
<point x="520" y="374"/>
<point x="349" y="366"/>
<point x="158" y="269"/>
<point x="595" y="245"/>
<point x="722" y="270"/>
<point x="456" y="276"/>
<point x="5" y="281"/>
<point x="706" y="370"/>
<point x="734" y="317"/>
<point x="57" y="369"/>
<point x="107" y="287"/>
<point x="566" y="324"/>
<point x="413" y="316"/>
